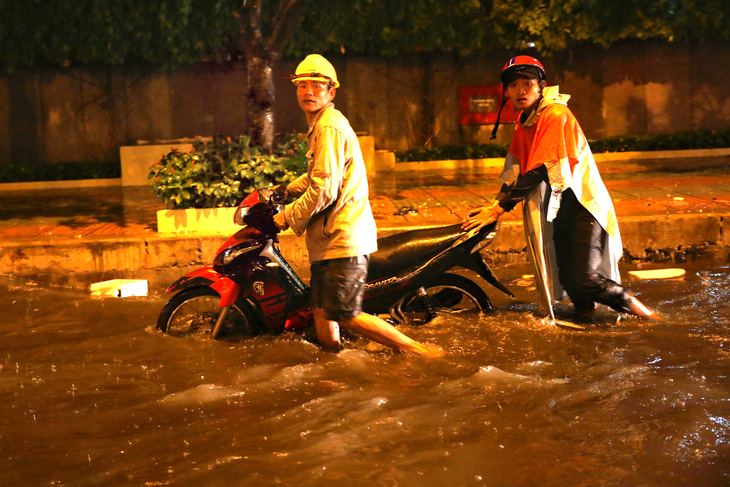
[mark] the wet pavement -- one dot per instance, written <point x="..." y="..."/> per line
<point x="94" y="395"/>
<point x="73" y="237"/>
<point x="402" y="198"/>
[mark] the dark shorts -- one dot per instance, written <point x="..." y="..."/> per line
<point x="338" y="285"/>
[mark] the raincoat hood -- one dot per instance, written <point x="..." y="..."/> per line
<point x="550" y="96"/>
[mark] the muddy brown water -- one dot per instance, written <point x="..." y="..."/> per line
<point x="91" y="394"/>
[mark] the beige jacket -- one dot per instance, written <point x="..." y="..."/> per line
<point x="333" y="208"/>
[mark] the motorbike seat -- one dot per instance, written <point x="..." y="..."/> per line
<point x="401" y="250"/>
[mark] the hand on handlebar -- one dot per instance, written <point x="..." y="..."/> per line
<point x="481" y="217"/>
<point x="280" y="221"/>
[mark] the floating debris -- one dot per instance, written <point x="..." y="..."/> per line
<point x="119" y="288"/>
<point x="405" y="210"/>
<point x="672" y="273"/>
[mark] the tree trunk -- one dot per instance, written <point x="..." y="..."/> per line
<point x="261" y="53"/>
<point x="260" y="100"/>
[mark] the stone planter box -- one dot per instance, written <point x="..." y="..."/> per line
<point x="197" y="220"/>
<point x="137" y="159"/>
<point x="384" y="161"/>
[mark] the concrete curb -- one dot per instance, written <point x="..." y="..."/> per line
<point x="76" y="263"/>
<point x="160" y="258"/>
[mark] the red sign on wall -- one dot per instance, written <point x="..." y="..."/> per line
<point x="479" y="104"/>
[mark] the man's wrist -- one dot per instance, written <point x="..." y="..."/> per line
<point x="495" y="207"/>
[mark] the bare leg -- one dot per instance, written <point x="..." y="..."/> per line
<point x="384" y="333"/>
<point x="328" y="331"/>
<point x="638" y="308"/>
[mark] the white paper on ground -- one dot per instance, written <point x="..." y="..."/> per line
<point x="671" y="273"/>
<point x="119" y="288"/>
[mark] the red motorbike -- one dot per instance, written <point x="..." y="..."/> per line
<point x="250" y="288"/>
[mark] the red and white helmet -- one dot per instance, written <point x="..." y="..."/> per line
<point x="527" y="66"/>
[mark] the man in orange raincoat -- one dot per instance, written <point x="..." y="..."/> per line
<point x="569" y="218"/>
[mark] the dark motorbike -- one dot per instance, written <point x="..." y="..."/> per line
<point x="250" y="288"/>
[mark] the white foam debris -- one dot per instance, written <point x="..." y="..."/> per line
<point x="672" y="273"/>
<point x="119" y="288"/>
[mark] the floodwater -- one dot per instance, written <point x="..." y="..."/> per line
<point x="91" y="394"/>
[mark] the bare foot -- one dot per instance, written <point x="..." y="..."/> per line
<point x="429" y="350"/>
<point x="638" y="308"/>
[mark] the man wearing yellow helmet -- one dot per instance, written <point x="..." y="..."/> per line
<point x="333" y="210"/>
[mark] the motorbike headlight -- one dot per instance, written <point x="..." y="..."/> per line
<point x="229" y="255"/>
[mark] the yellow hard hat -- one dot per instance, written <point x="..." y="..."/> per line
<point x="317" y="68"/>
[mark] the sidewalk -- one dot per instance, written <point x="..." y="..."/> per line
<point x="68" y="236"/>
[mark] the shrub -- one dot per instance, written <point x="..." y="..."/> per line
<point x="449" y="152"/>
<point x="221" y="171"/>
<point x="700" y="139"/>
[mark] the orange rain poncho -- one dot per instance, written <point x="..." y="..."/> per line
<point x="551" y="136"/>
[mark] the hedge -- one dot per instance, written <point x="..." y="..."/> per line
<point x="700" y="139"/>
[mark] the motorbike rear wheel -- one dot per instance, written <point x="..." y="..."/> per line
<point x="194" y="312"/>
<point x="447" y="294"/>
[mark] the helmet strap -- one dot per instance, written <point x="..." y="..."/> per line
<point x="504" y="101"/>
<point x="499" y="115"/>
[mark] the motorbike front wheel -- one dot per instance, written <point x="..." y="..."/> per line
<point x="194" y="312"/>
<point x="447" y="294"/>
